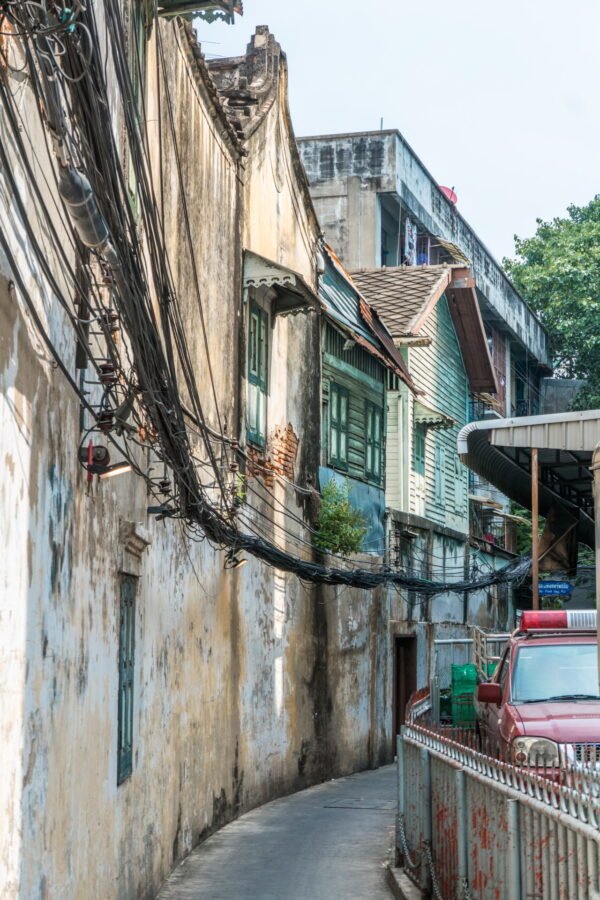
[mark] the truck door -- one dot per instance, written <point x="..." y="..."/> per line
<point x="491" y="714"/>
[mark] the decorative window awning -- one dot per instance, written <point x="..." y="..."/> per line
<point x="430" y="417"/>
<point x="209" y="10"/>
<point x="291" y="293"/>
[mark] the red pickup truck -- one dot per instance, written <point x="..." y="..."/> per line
<point x="542" y="706"/>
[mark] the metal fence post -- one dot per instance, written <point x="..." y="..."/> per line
<point x="400" y="770"/>
<point x="400" y="793"/>
<point x="513" y="855"/>
<point x="462" y="835"/>
<point x="427" y="814"/>
<point x="435" y="699"/>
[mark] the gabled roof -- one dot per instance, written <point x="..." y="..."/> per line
<point x="349" y="311"/>
<point x="405" y="297"/>
<point x="249" y="87"/>
<point x="192" y="49"/>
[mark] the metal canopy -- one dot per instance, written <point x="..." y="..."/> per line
<point x="292" y="293"/>
<point x="500" y="451"/>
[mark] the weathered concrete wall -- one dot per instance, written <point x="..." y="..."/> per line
<point x="383" y="162"/>
<point x="247" y="683"/>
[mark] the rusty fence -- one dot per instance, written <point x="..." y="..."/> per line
<point x="470" y="826"/>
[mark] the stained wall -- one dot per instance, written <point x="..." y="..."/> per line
<point x="247" y="683"/>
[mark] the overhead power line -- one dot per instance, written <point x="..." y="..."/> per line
<point x="148" y="403"/>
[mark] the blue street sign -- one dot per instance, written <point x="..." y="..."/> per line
<point x="554" y="588"/>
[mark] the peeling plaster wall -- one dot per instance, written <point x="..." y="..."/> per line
<point x="247" y="683"/>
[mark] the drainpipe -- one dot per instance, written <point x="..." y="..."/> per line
<point x="596" y="489"/>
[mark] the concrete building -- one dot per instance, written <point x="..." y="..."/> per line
<point x="380" y="206"/>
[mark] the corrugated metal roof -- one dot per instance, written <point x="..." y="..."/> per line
<point x="499" y="451"/>
<point x="345" y="307"/>
<point x="341" y="302"/>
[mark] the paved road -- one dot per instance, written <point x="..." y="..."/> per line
<point x="327" y="842"/>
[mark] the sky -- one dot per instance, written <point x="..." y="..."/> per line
<point x="499" y="100"/>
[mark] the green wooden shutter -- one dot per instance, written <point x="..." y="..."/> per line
<point x="258" y="367"/>
<point x="440" y="475"/>
<point x="377" y="434"/>
<point x="459" y="499"/>
<point x="343" y="428"/>
<point x="419" y="450"/>
<point x="373" y="430"/>
<point x="126" y="670"/>
<point x="338" y="425"/>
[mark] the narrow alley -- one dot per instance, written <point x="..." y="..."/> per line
<point x="329" y="841"/>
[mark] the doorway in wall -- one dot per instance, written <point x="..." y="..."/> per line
<point x="405" y="678"/>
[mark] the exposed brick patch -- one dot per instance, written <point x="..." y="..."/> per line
<point x="284" y="448"/>
<point x="258" y="465"/>
<point x="277" y="458"/>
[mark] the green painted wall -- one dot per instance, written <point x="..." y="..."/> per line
<point x="439" y="371"/>
<point x="364" y="378"/>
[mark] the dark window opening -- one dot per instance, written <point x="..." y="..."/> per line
<point x="258" y="360"/>
<point x="126" y="671"/>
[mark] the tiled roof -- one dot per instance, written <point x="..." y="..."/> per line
<point x="403" y="295"/>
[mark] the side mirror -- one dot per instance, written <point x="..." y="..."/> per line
<point x="489" y="692"/>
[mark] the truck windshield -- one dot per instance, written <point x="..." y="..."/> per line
<point x="548" y="672"/>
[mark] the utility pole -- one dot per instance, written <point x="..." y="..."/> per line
<point x="535" y="550"/>
<point x="596" y="491"/>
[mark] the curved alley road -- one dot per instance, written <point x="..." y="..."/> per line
<point x="327" y="842"/>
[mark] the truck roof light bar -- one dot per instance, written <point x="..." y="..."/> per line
<point x="551" y="619"/>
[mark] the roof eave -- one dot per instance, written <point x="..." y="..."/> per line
<point x="468" y="323"/>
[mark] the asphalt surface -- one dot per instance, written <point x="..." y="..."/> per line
<point x="330" y="841"/>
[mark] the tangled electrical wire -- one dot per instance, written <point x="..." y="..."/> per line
<point x="143" y="397"/>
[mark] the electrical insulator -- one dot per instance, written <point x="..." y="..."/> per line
<point x="105" y="421"/>
<point x="108" y="373"/>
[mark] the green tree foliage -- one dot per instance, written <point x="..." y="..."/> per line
<point x="558" y="272"/>
<point x="523" y="529"/>
<point x="340" y="527"/>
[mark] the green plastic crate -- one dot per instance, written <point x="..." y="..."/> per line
<point x="464" y="678"/>
<point x="463" y="709"/>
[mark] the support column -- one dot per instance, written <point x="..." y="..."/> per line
<point x="596" y="489"/>
<point x="535" y="549"/>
